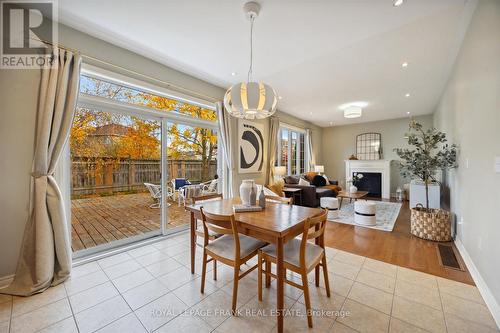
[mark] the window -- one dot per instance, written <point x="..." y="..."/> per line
<point x="129" y="142"/>
<point x="292" y="149"/>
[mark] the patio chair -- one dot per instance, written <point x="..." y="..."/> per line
<point x="155" y="191"/>
<point x="188" y="192"/>
<point x="209" y="187"/>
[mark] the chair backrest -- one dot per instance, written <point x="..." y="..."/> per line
<point x="274" y="198"/>
<point x="179" y="182"/>
<point x="220" y="224"/>
<point x="317" y="222"/>
<point x="154" y="190"/>
<point x="212" y="187"/>
<point x="207" y="197"/>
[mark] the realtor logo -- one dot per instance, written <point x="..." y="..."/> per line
<point x="25" y="25"/>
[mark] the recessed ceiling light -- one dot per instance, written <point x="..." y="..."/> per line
<point x="311" y="113"/>
<point x="398" y="3"/>
<point x="408" y="112"/>
<point x="331" y="123"/>
<point x="407" y="95"/>
<point x="404" y="64"/>
<point x="234" y="73"/>
<point x="280" y="97"/>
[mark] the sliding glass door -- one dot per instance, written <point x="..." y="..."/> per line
<point x="132" y="154"/>
<point x="115" y="179"/>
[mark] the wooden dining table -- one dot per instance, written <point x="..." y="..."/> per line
<point x="276" y="224"/>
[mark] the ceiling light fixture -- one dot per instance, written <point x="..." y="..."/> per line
<point x="233" y="74"/>
<point x="280" y="97"/>
<point x="251" y="100"/>
<point x="353" y="112"/>
<point x="398" y="3"/>
<point x="407" y="95"/>
<point x="404" y="64"/>
<point x="408" y="112"/>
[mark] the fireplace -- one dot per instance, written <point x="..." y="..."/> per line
<point x="380" y="167"/>
<point x="371" y="182"/>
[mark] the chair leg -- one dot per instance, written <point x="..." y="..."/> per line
<point x="203" y="271"/>
<point x="235" y="288"/>
<point x="268" y="271"/>
<point x="307" y="299"/>
<point x="259" y="275"/>
<point x="215" y="269"/>
<point x="316" y="276"/>
<point x="325" y="276"/>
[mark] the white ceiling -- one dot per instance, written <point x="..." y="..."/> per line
<point x="317" y="54"/>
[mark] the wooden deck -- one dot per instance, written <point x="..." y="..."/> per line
<point x="101" y="220"/>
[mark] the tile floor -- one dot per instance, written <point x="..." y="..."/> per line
<point x="150" y="289"/>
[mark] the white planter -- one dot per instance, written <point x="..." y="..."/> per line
<point x="417" y="195"/>
<point x="245" y="189"/>
<point x="353" y="189"/>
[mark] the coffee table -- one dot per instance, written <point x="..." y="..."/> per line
<point x="356" y="195"/>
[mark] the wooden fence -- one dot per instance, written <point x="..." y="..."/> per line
<point x="108" y="176"/>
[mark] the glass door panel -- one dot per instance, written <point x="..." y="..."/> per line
<point x="115" y="179"/>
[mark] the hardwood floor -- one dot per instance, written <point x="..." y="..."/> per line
<point x="398" y="247"/>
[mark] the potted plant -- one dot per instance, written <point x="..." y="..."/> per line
<point x="429" y="154"/>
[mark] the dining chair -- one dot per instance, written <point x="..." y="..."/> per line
<point x="299" y="256"/>
<point x="282" y="200"/>
<point x="231" y="248"/>
<point x="199" y="229"/>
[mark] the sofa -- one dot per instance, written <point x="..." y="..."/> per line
<point x="312" y="194"/>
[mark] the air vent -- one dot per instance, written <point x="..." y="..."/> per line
<point x="448" y="257"/>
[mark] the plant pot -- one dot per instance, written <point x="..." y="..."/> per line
<point x="432" y="224"/>
<point x="353" y="189"/>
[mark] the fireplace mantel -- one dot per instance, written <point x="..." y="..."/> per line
<point x="376" y="166"/>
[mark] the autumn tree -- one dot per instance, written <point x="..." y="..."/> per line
<point x="186" y="141"/>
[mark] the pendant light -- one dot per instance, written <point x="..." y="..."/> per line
<point x="251" y="100"/>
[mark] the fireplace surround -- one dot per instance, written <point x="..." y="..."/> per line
<point x="382" y="167"/>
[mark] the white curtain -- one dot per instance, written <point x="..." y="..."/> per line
<point x="274" y="127"/>
<point x="225" y="130"/>
<point x="45" y="257"/>
<point x="310" y="151"/>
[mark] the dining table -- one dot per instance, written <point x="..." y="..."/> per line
<point x="276" y="224"/>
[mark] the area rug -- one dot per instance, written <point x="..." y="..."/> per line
<point x="387" y="214"/>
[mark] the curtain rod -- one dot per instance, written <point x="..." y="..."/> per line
<point x="168" y="84"/>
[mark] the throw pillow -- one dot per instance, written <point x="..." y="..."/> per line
<point x="303" y="182"/>
<point x="318" y="181"/>
<point x="292" y="180"/>
<point x="326" y="178"/>
<point x="310" y="175"/>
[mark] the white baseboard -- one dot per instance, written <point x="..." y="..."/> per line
<point x="488" y="297"/>
<point x="6" y="280"/>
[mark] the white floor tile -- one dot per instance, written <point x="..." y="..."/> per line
<point x="129" y="323"/>
<point x="160" y="311"/>
<point x="163" y="267"/>
<point x="121" y="269"/>
<point x="132" y="280"/>
<point x="102" y="314"/>
<point x="145" y="293"/>
<point x="76" y="285"/>
<point x="67" y="325"/>
<point x="22" y="305"/>
<point x="93" y="296"/>
<point x="114" y="259"/>
<point x="41" y="317"/>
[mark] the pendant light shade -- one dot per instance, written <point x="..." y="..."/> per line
<point x="251" y="100"/>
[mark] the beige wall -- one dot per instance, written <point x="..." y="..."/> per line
<point x="339" y="142"/>
<point x="469" y="112"/>
<point x="18" y="94"/>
